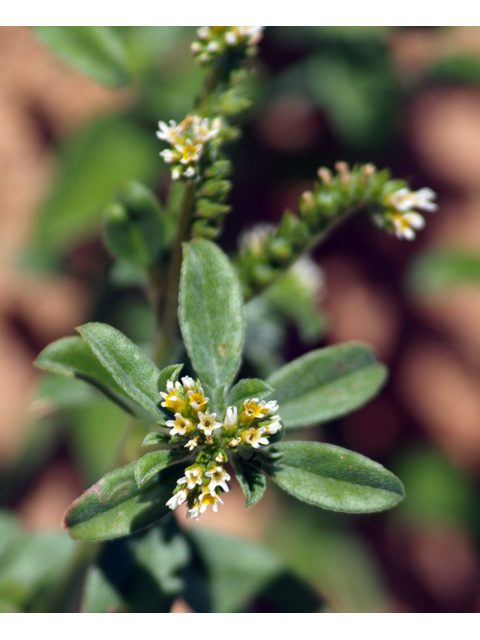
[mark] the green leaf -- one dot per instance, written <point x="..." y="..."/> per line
<point x="98" y="52"/>
<point x="247" y="389"/>
<point x="155" y="437"/>
<point x="211" y="314"/>
<point x="138" y="574"/>
<point x="115" y="506"/>
<point x="251" y="479"/>
<point x="130" y="367"/>
<point x="327" y="384"/>
<point x="73" y="357"/>
<point x="228" y="574"/>
<point x="169" y="373"/>
<point x="438" y="269"/>
<point x="155" y="461"/>
<point x="92" y="162"/>
<point x="134" y="226"/>
<point x="334" y="478"/>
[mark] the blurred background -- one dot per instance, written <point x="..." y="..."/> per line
<point x="406" y="98"/>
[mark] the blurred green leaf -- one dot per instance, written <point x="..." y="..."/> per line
<point x="458" y="68"/>
<point x="133" y="225"/>
<point x="334" y="478"/>
<point x="74" y="357"/>
<point x="358" y="91"/>
<point x="130" y="367"/>
<point x="211" y="315"/>
<point x="326" y="384"/>
<point x="115" y="506"/>
<point x="91" y="164"/>
<point x="139" y="574"/>
<point x="332" y="560"/>
<point x="438" y="491"/>
<point x="296" y="295"/>
<point x="437" y="269"/>
<point x="229" y="574"/>
<point x="32" y="567"/>
<point x="96" y="431"/>
<point x="98" y="52"/>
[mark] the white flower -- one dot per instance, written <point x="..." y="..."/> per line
<point x="208" y="423"/>
<point x="176" y="173"/>
<point x="168" y="133"/>
<point x="270" y="407"/>
<point x="219" y="478"/>
<point x="405" y="225"/>
<point x="404" y="200"/>
<point x="273" y="427"/>
<point x="180" y="425"/>
<point x="206" y="498"/>
<point x="231" y="418"/>
<point x="188" y="383"/>
<point x="177" y="499"/>
<point x="231" y="38"/>
<point x="189" y="152"/>
<point x="196" y="47"/>
<point x="192" y="477"/>
<point x="189" y="173"/>
<point x="204" y="33"/>
<point x="255" y="437"/>
<point x="191" y="444"/>
<point x="195" y="512"/>
<point x="170" y="156"/>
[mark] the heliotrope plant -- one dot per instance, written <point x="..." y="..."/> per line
<point x="206" y="427"/>
<point x="207" y="423"/>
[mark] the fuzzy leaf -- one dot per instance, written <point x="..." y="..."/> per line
<point x="334" y="478"/>
<point x="327" y="384"/>
<point x="169" y="373"/>
<point x="155" y="461"/>
<point x="73" y="357"/>
<point x="252" y="481"/>
<point x="97" y="51"/>
<point x="155" y="437"/>
<point x="115" y="506"/>
<point x="134" y="372"/>
<point x="247" y="389"/>
<point x="211" y="314"/>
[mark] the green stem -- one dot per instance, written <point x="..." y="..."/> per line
<point x="167" y="327"/>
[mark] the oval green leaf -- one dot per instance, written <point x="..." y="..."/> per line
<point x="211" y="314"/>
<point x="334" y="478"/>
<point x="327" y="384"/>
<point x="130" y="367"/>
<point x="73" y="357"/>
<point x="115" y="506"/>
<point x="155" y="461"/>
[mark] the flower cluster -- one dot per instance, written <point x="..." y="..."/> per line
<point x="400" y="216"/>
<point x="213" y="41"/>
<point x="188" y="140"/>
<point x="196" y="429"/>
